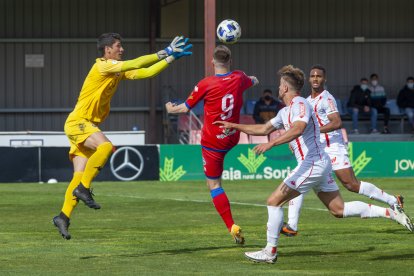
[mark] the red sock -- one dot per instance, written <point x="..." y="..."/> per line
<point x="222" y="204"/>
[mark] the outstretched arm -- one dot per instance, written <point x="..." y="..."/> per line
<point x="176" y="46"/>
<point x="149" y="72"/>
<point x="294" y="132"/>
<point x="175" y="109"/>
<point x="139" y="62"/>
<point x="258" y="129"/>
<point x="158" y="67"/>
<point x="157" y="62"/>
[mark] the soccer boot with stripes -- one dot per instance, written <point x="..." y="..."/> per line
<point x="236" y="233"/>
<point x="401" y="217"/>
<point x="400" y="200"/>
<point x="287" y="231"/>
<point x="262" y="256"/>
<point x="62" y="224"/>
<point x="85" y="195"/>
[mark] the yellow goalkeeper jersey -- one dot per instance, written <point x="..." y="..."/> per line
<point x="102" y="81"/>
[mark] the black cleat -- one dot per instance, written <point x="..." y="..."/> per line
<point x="62" y="224"/>
<point x="85" y="195"/>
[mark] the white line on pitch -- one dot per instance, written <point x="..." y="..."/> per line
<point x="206" y="201"/>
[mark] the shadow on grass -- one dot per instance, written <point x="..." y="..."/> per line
<point x="326" y="253"/>
<point x="175" y="251"/>
<point x="191" y="250"/>
<point x="398" y="231"/>
<point x="394" y="257"/>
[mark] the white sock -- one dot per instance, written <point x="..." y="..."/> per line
<point x="373" y="192"/>
<point x="274" y="224"/>
<point x="364" y="210"/>
<point x="294" y="211"/>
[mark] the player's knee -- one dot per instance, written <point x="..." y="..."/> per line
<point x="272" y="201"/>
<point x="213" y="184"/>
<point x="106" y="148"/>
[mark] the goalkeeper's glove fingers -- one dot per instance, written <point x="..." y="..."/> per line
<point x="186" y="52"/>
<point x="176" y="45"/>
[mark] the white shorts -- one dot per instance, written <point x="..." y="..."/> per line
<point x="338" y="154"/>
<point x="316" y="175"/>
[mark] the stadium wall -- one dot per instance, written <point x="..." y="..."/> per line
<point x="171" y="163"/>
<point x="373" y="159"/>
<point x="39" y="164"/>
<point x="275" y="33"/>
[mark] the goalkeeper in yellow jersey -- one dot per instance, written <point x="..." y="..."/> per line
<point x="89" y="147"/>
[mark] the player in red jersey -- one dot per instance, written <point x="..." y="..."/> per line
<point x="223" y="99"/>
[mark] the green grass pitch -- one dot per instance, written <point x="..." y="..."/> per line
<point x="170" y="228"/>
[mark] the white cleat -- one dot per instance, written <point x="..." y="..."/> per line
<point x="262" y="256"/>
<point x="402" y="218"/>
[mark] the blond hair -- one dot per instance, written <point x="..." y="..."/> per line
<point x="293" y="76"/>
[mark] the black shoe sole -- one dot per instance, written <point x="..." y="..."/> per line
<point x="65" y="236"/>
<point x="290" y="235"/>
<point x="92" y="204"/>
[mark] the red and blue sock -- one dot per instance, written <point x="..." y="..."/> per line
<point x="222" y="204"/>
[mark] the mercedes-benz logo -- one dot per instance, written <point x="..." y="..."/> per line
<point x="127" y="163"/>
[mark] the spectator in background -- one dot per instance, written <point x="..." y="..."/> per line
<point x="360" y="102"/>
<point x="266" y="108"/>
<point x="379" y="100"/>
<point x="405" y="100"/>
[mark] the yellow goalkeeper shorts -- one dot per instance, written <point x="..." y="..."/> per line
<point x="78" y="130"/>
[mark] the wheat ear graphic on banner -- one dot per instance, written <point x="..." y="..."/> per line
<point x="168" y="174"/>
<point x="251" y="162"/>
<point x="360" y="162"/>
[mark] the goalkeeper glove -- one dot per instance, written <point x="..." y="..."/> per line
<point x="176" y="55"/>
<point x="176" y="45"/>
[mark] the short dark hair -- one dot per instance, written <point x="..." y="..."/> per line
<point x="292" y="75"/>
<point x="373" y="76"/>
<point x="363" y="79"/>
<point x="319" y="67"/>
<point x="107" y="39"/>
<point x="222" y="54"/>
<point x="410" y="78"/>
<point x="267" y="91"/>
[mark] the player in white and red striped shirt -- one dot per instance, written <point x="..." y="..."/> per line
<point x="314" y="167"/>
<point x="329" y="120"/>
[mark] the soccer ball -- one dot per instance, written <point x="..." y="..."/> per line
<point x="228" y="31"/>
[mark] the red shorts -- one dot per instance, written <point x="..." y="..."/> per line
<point x="213" y="162"/>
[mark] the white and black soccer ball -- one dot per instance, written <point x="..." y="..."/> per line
<point x="228" y="31"/>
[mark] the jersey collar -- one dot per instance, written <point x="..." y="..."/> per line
<point x="320" y="94"/>
<point x="223" y="75"/>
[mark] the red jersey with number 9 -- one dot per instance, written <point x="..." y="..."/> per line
<point x="223" y="99"/>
